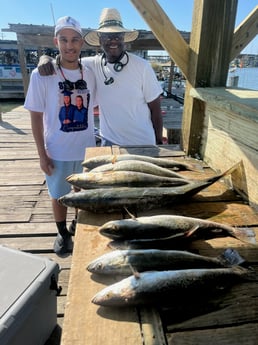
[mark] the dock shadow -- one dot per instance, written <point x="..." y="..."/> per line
<point x="8" y="125"/>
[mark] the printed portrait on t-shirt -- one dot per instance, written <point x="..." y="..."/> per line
<point x="73" y="113"/>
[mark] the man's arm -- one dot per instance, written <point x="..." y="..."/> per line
<point x="45" y="65"/>
<point x="46" y="163"/>
<point x="156" y="119"/>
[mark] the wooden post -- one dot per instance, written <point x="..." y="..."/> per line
<point x="212" y="34"/>
<point x="171" y="76"/>
<point x="22" y="59"/>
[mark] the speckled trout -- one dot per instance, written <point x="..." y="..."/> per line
<point x="137" y="165"/>
<point x="107" y="179"/>
<point x="126" y="262"/>
<point x="164" y="287"/>
<point x="170" y="227"/>
<point x="94" y="162"/>
<point x="139" y="198"/>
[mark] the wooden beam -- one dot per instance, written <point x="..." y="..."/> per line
<point x="165" y="31"/>
<point x="211" y="35"/>
<point x="244" y="33"/>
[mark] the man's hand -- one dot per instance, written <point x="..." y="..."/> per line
<point x="46" y="165"/>
<point x="45" y="65"/>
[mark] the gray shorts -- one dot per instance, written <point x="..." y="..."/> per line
<point x="56" y="183"/>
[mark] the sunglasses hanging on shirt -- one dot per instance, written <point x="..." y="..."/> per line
<point x="118" y="66"/>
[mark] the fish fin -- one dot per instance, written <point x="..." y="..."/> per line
<point x="246" y="235"/>
<point x="129" y="213"/>
<point x="135" y="273"/>
<point x="114" y="159"/>
<point x="248" y="273"/>
<point x="231" y="257"/>
<point x="191" y="231"/>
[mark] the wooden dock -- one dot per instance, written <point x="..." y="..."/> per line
<point x="26" y="220"/>
<point x="26" y="223"/>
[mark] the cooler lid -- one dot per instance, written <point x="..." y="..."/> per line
<point x="18" y="270"/>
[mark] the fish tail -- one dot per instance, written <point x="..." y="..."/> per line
<point x="231" y="257"/>
<point x="250" y="274"/>
<point x="246" y="235"/>
<point x="225" y="173"/>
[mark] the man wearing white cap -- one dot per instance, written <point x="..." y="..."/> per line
<point x="128" y="93"/>
<point x="60" y="139"/>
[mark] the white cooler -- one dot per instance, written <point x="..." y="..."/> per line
<point x="28" y="297"/>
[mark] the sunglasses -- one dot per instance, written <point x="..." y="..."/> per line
<point x="111" y="36"/>
<point x="67" y="85"/>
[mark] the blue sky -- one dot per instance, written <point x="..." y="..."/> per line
<point x="87" y="12"/>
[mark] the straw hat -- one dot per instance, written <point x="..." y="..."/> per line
<point x="110" y="22"/>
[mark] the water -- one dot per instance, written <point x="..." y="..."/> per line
<point x="247" y="78"/>
<point x="9" y="105"/>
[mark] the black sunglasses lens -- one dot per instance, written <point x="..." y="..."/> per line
<point x="80" y="85"/>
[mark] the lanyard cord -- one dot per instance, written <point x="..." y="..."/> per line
<point x="58" y="63"/>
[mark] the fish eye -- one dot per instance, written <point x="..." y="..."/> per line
<point x="99" y="265"/>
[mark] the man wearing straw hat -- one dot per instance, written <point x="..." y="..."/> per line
<point x="128" y="93"/>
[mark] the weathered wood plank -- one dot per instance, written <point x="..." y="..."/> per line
<point x="227" y="307"/>
<point x="244" y="33"/>
<point x="15" y="215"/>
<point x="244" y="334"/>
<point x="230" y="136"/>
<point x="35" y="244"/>
<point x="98" y="324"/>
<point x="153" y="151"/>
<point x="19" y="153"/>
<point x="27" y="229"/>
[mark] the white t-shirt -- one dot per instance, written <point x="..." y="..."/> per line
<point x="125" y="117"/>
<point x="68" y="128"/>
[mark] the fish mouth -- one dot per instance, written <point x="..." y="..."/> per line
<point x="109" y="235"/>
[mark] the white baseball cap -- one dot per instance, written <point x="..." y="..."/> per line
<point x="68" y="23"/>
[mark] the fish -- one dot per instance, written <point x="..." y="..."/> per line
<point x="139" y="198"/>
<point x="126" y="262"/>
<point x="94" y="162"/>
<point x="137" y="165"/>
<point x="107" y="179"/>
<point x="165" y="287"/>
<point x="169" y="228"/>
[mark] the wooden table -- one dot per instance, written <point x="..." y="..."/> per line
<point x="233" y="322"/>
